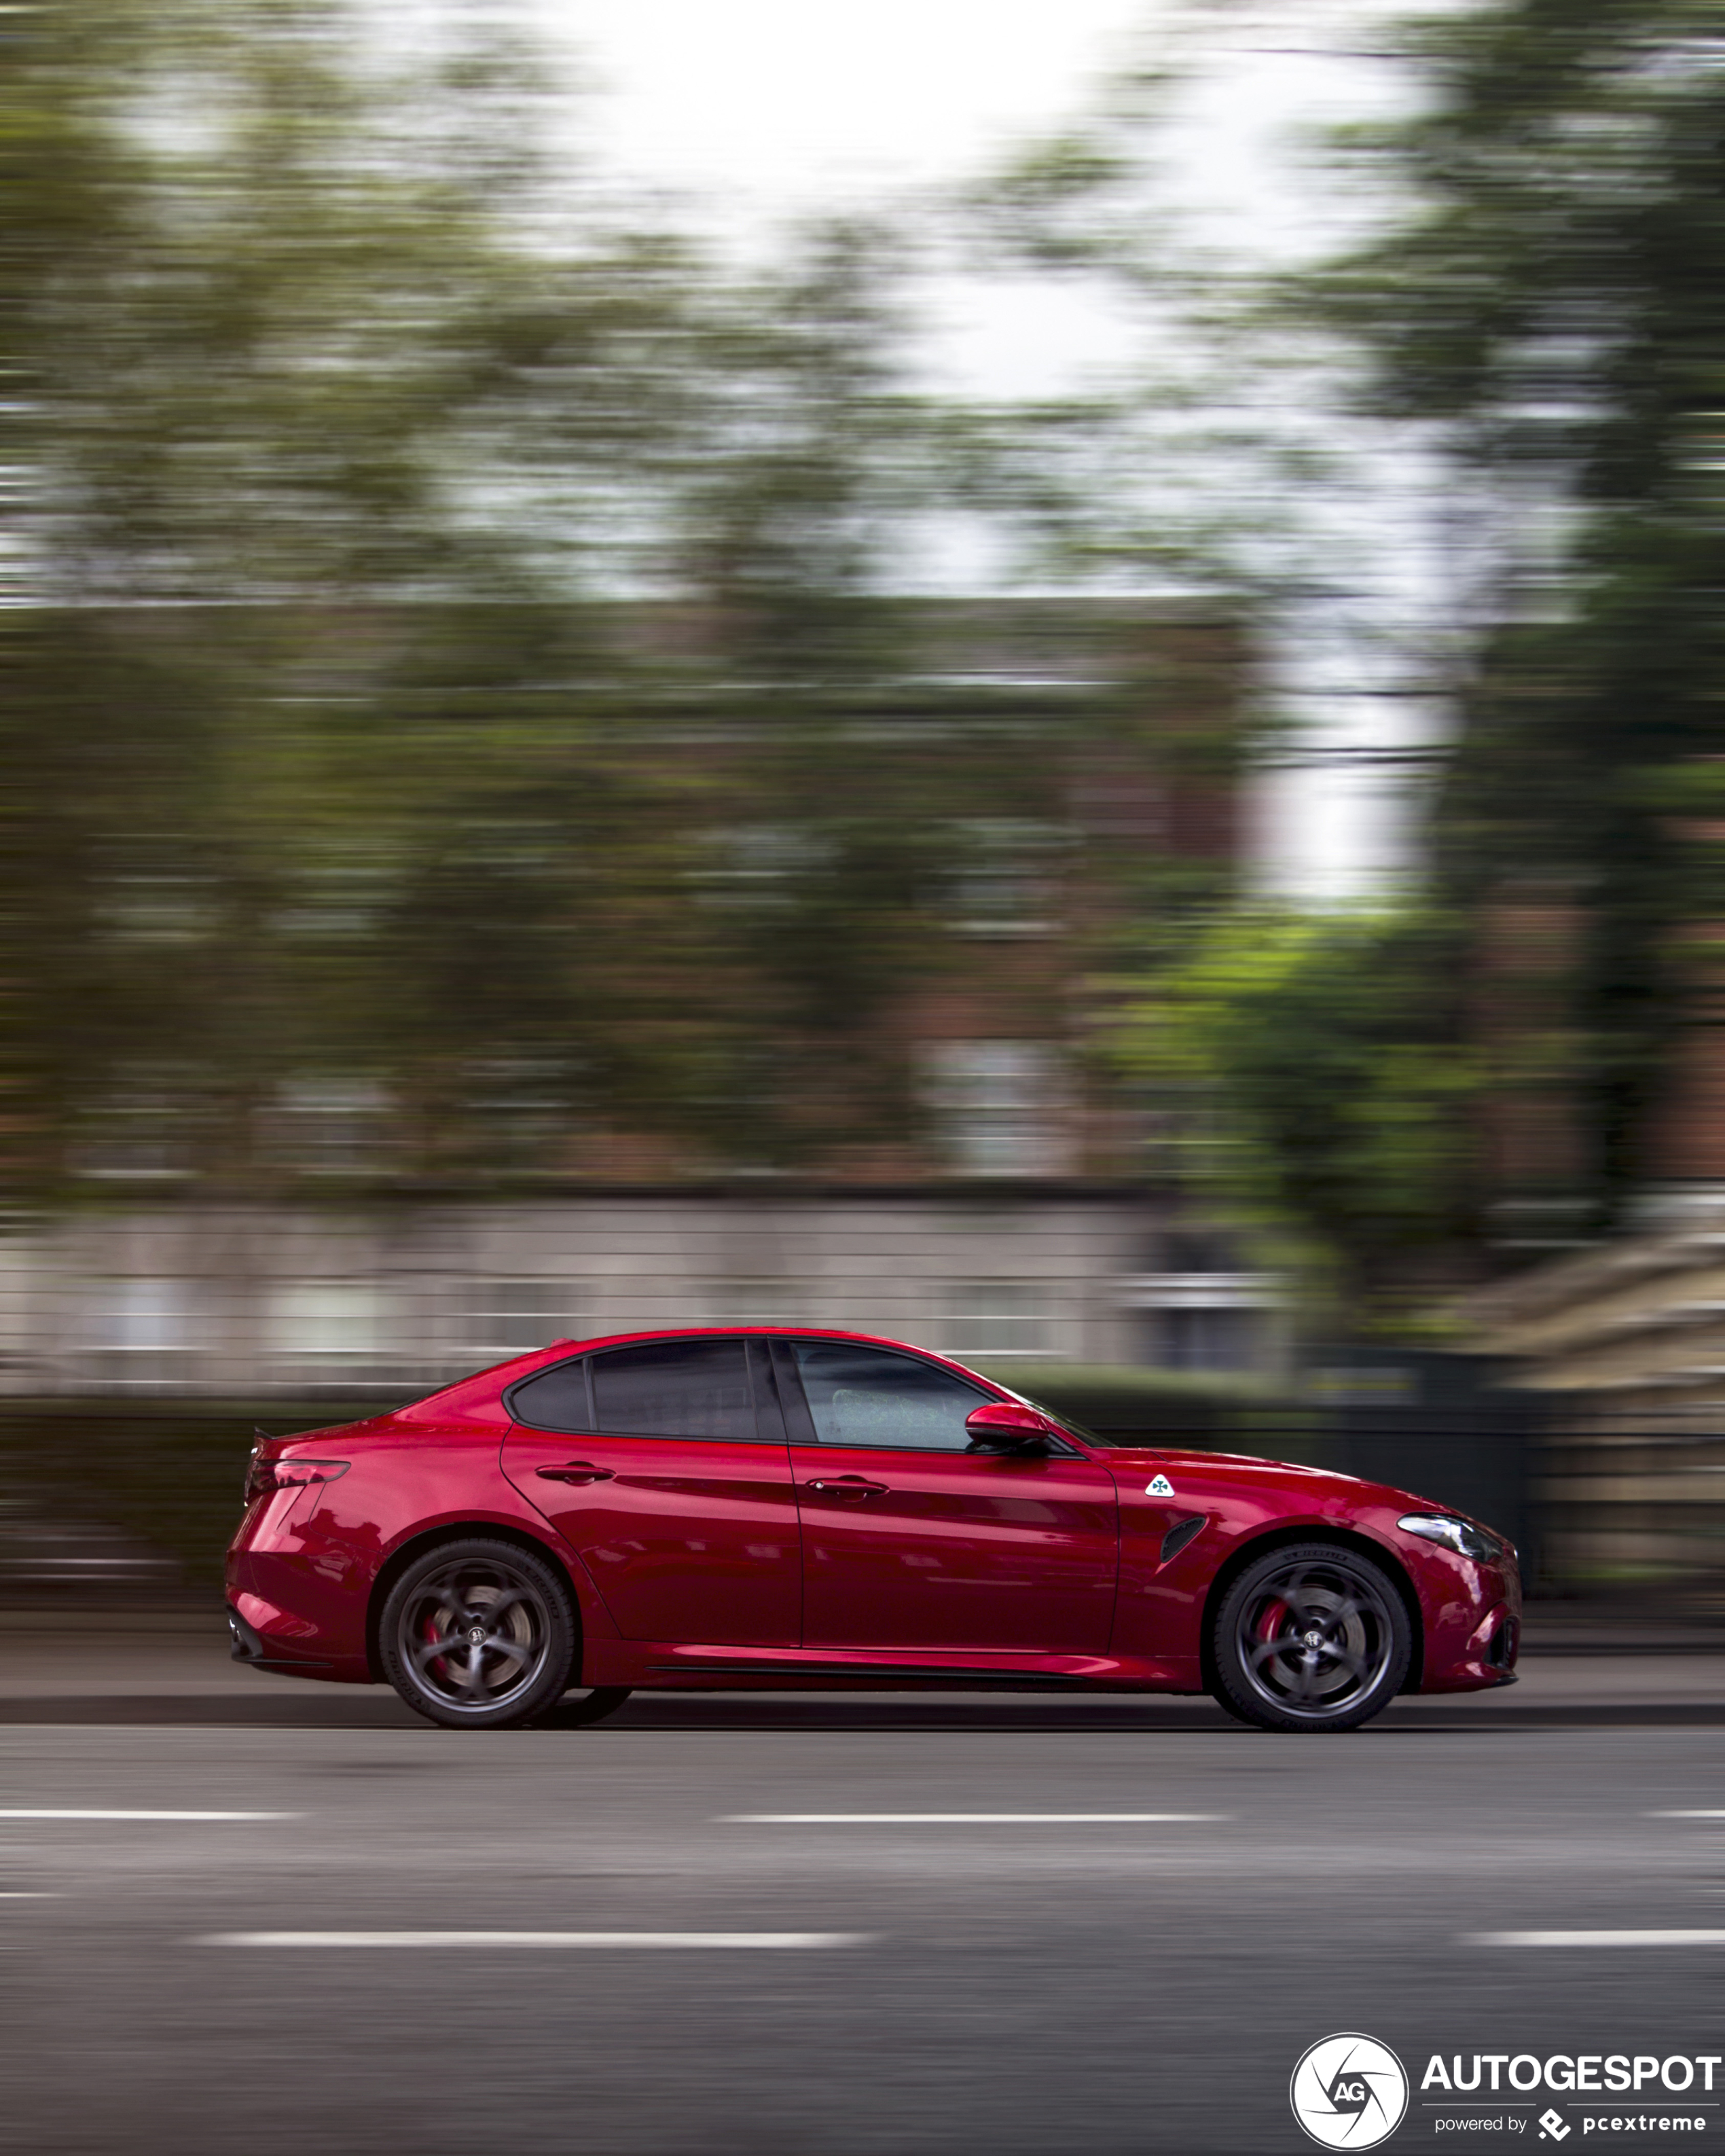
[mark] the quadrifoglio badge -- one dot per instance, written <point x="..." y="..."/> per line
<point x="1351" y="2091"/>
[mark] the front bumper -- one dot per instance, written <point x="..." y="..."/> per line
<point x="1473" y="1632"/>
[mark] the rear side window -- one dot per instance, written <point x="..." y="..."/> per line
<point x="867" y="1396"/>
<point x="674" y="1389"/>
<point x="554" y="1399"/>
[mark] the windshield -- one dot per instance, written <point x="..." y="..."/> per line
<point x="1070" y="1422"/>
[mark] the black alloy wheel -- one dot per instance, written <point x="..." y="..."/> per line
<point x="480" y="1635"/>
<point x="1312" y="1637"/>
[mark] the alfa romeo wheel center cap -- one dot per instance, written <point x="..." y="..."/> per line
<point x="476" y="1635"/>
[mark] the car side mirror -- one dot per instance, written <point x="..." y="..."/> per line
<point x="1007" y="1426"/>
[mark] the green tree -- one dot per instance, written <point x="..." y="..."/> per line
<point x="1314" y="1082"/>
<point x="1536" y="318"/>
<point x="1550" y="311"/>
<point x="464" y="702"/>
<point x="293" y="341"/>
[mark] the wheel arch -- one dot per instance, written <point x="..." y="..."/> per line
<point x="459" y="1530"/>
<point x="1259" y="1545"/>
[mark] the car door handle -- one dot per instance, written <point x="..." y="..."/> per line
<point x="850" y="1485"/>
<point x="574" y="1471"/>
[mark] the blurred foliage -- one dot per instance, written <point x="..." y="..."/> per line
<point x="1318" y="1082"/>
<point x="1551" y="306"/>
<point x="1528" y="307"/>
<point x="1211" y="1411"/>
<point x="171" y="1477"/>
<point x="456" y="702"/>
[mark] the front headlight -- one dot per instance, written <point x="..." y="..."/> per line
<point x="1462" y="1536"/>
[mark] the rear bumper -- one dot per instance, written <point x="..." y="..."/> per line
<point x="247" y="1643"/>
<point x="244" y="1644"/>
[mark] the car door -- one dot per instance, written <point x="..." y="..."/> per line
<point x="651" y="1463"/>
<point x="914" y="1537"/>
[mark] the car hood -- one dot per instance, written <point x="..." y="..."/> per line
<point x="1243" y="1470"/>
<point x="1153" y="1456"/>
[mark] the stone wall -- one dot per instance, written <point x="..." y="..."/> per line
<point x="179" y="1300"/>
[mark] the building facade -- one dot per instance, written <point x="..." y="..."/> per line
<point x="1625" y="1342"/>
<point x="184" y="1300"/>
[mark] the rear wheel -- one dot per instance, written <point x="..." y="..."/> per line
<point x="1312" y="1637"/>
<point x="478" y="1634"/>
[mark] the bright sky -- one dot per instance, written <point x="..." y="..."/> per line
<point x="794" y="100"/>
<point x="755" y="110"/>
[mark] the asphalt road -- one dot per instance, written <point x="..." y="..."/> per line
<point x="702" y="1972"/>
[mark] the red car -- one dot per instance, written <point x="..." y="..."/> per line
<point x="728" y="1508"/>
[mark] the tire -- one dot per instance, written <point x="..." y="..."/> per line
<point x="1310" y="1637"/>
<point x="507" y="1621"/>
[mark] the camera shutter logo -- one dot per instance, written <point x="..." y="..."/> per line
<point x="1349" y="2091"/>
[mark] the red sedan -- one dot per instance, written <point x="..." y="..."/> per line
<point x="728" y="1508"/>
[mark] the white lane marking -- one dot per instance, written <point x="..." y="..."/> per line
<point x="92" y="1812"/>
<point x="676" y="1939"/>
<point x="25" y="1894"/>
<point x="969" y="1819"/>
<point x="1594" y="1939"/>
<point x="1715" y="1815"/>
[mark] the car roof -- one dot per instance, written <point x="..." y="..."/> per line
<point x="587" y="1345"/>
<point x="500" y="1377"/>
<point x="745" y="1331"/>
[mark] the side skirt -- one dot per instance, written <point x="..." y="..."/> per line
<point x="656" y="1666"/>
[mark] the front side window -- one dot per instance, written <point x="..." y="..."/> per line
<point x="868" y="1396"/>
<point x="674" y="1389"/>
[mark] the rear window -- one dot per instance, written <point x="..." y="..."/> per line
<point x="554" y="1399"/>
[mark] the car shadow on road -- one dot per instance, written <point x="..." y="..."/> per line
<point x="306" y="1707"/>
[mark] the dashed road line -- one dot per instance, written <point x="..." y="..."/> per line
<point x="104" y="1812"/>
<point x="971" y="1819"/>
<point x="1672" y="1939"/>
<point x="679" y="1941"/>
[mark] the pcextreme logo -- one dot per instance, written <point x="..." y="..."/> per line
<point x="1349" y="2091"/>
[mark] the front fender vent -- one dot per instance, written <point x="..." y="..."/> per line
<point x="1182" y="1531"/>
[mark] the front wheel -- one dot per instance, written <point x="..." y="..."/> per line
<point x="478" y="1634"/>
<point x="1312" y="1637"/>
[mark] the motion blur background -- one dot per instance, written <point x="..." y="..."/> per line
<point x="1051" y="687"/>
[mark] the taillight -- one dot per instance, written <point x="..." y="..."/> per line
<point x="265" y="1476"/>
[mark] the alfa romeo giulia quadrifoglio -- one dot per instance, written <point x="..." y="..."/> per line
<point x="731" y="1509"/>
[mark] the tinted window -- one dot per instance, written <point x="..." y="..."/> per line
<point x="865" y="1396"/>
<point x="674" y="1389"/>
<point x="554" y="1399"/>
